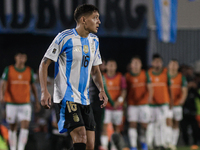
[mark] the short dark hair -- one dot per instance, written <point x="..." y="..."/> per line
<point x="19" y="52"/>
<point x="111" y="59"/>
<point x="155" y="56"/>
<point x="174" y="59"/>
<point x="136" y="57"/>
<point x="84" y="10"/>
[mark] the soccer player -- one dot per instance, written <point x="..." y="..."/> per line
<point x="15" y="91"/>
<point x="179" y="94"/>
<point x="76" y="56"/>
<point x="161" y="99"/>
<point x="139" y="93"/>
<point x="115" y="88"/>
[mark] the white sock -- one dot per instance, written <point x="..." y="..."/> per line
<point x="12" y="139"/>
<point x="163" y="132"/>
<point x="23" y="138"/>
<point x="104" y="141"/>
<point x="132" y="133"/>
<point x="175" y="136"/>
<point x="150" y="134"/>
<point x="158" y="136"/>
<point x="168" y="134"/>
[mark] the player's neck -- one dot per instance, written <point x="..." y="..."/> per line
<point x="157" y="70"/>
<point x="111" y="73"/>
<point x="173" y="72"/>
<point x="19" y="66"/>
<point x="135" y="71"/>
<point x="81" y="31"/>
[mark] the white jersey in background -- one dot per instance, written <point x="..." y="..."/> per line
<point x="74" y="57"/>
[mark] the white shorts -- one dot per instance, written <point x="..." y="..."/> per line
<point x="18" y="112"/>
<point x="170" y="113"/>
<point x="177" y="113"/>
<point x="139" y="114"/>
<point x="159" y="112"/>
<point x="113" y="116"/>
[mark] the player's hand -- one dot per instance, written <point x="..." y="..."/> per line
<point x="117" y="104"/>
<point x="46" y="100"/>
<point x="103" y="97"/>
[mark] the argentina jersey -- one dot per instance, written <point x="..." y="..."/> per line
<point x="74" y="57"/>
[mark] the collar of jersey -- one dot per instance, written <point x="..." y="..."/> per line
<point x="20" y="70"/>
<point x="135" y="74"/>
<point x="154" y="73"/>
<point x="173" y="76"/>
<point x="76" y="33"/>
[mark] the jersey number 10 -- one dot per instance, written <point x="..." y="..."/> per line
<point x="85" y="60"/>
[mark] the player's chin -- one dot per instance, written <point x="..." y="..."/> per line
<point x="95" y="31"/>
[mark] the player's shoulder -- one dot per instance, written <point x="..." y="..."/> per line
<point x="119" y="74"/>
<point x="66" y="34"/>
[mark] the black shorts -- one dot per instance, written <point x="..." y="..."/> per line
<point x="71" y="115"/>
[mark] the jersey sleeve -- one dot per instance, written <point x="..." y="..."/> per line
<point x="32" y="76"/>
<point x="148" y="78"/>
<point x="5" y="74"/>
<point x="184" y="81"/>
<point x="55" y="48"/>
<point x="97" y="57"/>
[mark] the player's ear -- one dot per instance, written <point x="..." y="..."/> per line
<point x="84" y="19"/>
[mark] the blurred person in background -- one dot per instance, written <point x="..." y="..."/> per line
<point x="179" y="94"/>
<point x="139" y="94"/>
<point x="189" y="122"/>
<point x="3" y="137"/>
<point x="97" y="110"/>
<point x="115" y="88"/>
<point x="59" y="141"/>
<point x="15" y="91"/>
<point x="160" y="103"/>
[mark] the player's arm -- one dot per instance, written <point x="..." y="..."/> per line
<point x="97" y="78"/>
<point x="3" y="89"/>
<point x="171" y="102"/>
<point x="149" y="88"/>
<point x="4" y="84"/>
<point x="184" y="90"/>
<point x="122" y="97"/>
<point x="43" y="73"/>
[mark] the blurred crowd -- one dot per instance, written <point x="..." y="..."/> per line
<point x="43" y="133"/>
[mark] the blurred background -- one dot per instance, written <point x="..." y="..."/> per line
<point x="128" y="28"/>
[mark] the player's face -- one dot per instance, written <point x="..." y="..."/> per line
<point x="21" y="58"/>
<point x="92" y="22"/>
<point x="103" y="66"/>
<point x="111" y="66"/>
<point x="173" y="65"/>
<point x="157" y="63"/>
<point x="136" y="64"/>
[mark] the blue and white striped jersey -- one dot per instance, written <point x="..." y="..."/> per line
<point x="74" y="57"/>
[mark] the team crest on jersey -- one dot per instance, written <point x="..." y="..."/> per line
<point x="19" y="76"/>
<point x="76" y="118"/>
<point x="85" y="49"/>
